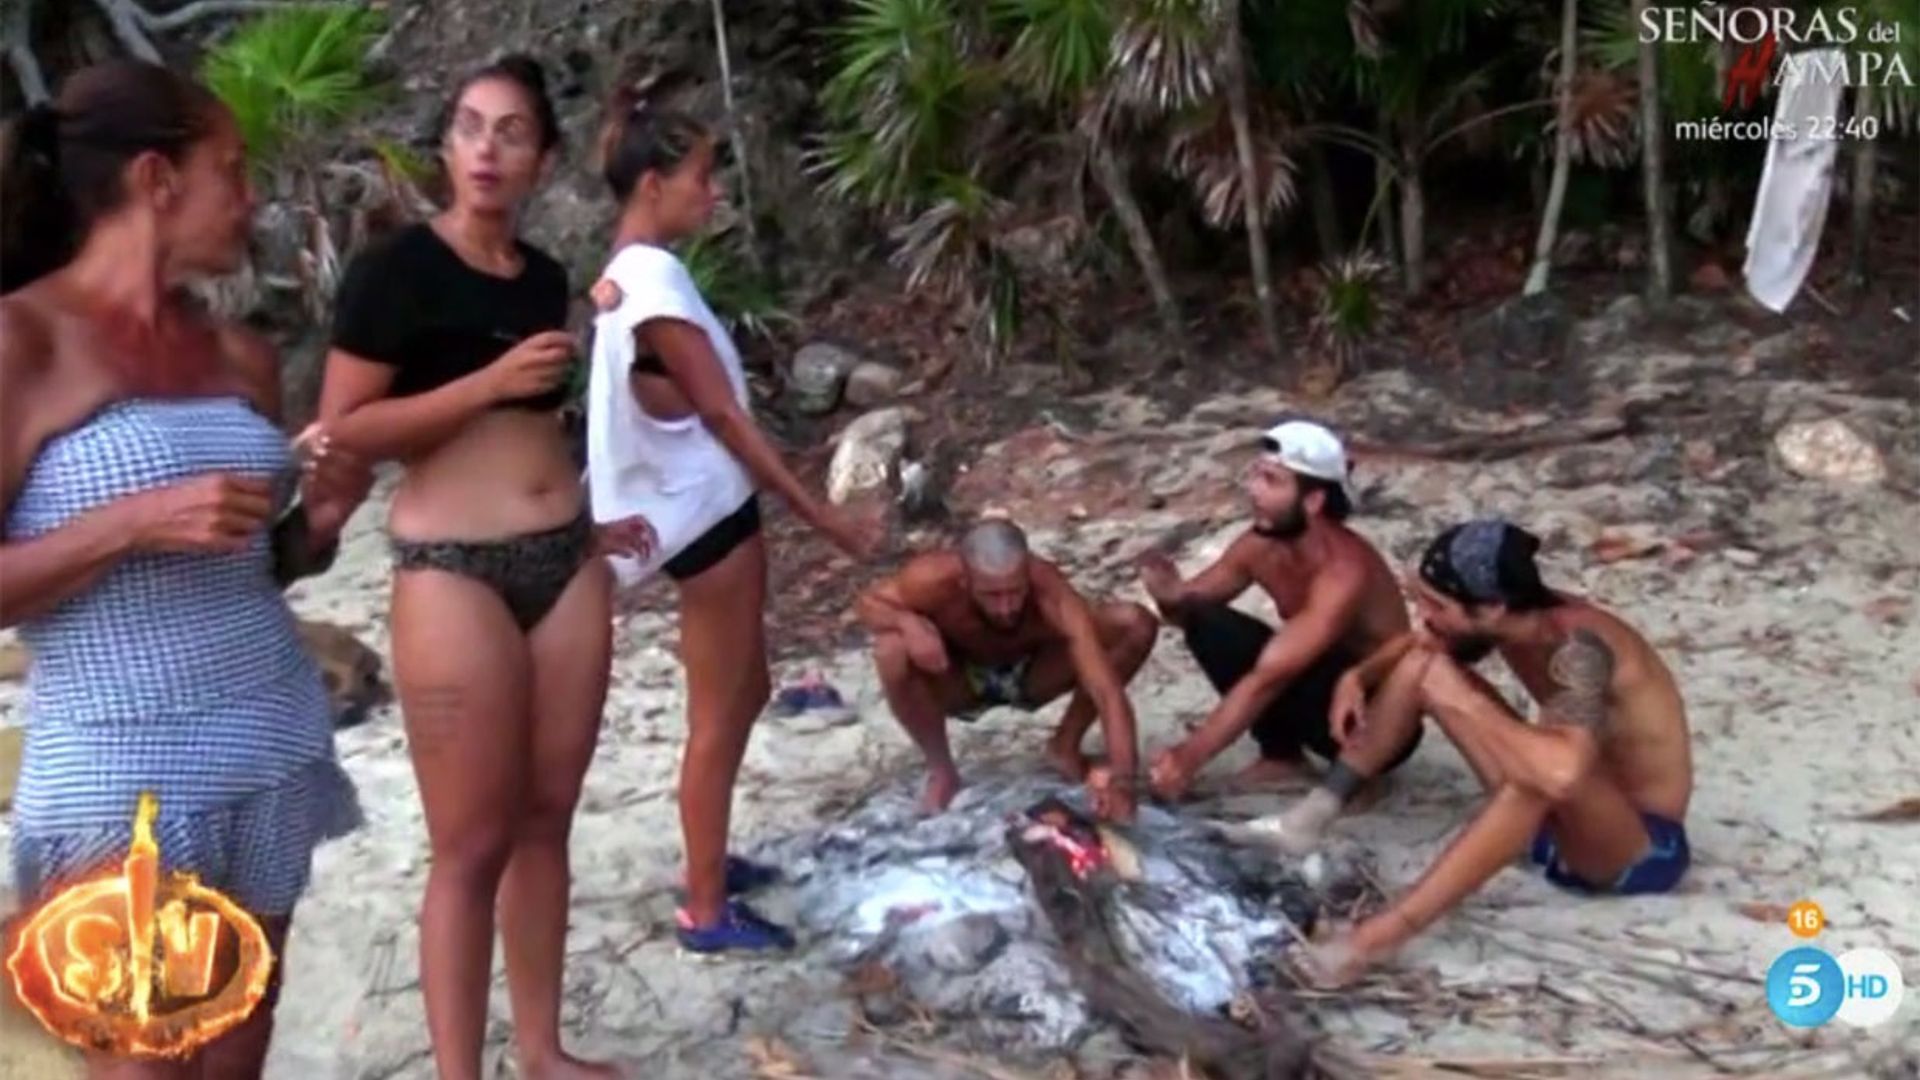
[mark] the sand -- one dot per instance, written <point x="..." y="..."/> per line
<point x="1793" y="637"/>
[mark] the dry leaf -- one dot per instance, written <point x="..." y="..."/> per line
<point x="1890" y="609"/>
<point x="872" y="977"/>
<point x="774" y="1060"/>
<point x="1907" y="809"/>
<point x="1614" y="546"/>
<point x="1763" y="913"/>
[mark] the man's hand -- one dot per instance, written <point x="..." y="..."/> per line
<point x="1172" y="775"/>
<point x="1349" y="710"/>
<point x="924" y="646"/>
<point x="1112" y="796"/>
<point x="1160" y="578"/>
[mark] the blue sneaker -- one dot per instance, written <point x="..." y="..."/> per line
<point x="740" y="929"/>
<point x="746" y="876"/>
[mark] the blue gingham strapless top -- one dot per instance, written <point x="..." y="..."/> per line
<point x="181" y="674"/>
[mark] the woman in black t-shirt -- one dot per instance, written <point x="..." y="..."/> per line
<point x="450" y="354"/>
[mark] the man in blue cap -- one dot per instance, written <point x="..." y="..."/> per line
<point x="1595" y="790"/>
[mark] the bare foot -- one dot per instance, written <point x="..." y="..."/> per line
<point x="1268" y="774"/>
<point x="563" y="1066"/>
<point x="942" y="786"/>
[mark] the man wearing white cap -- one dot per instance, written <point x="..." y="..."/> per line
<point x="1339" y="601"/>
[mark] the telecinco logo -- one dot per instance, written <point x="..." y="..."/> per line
<point x="1807" y="987"/>
<point x="1761" y="32"/>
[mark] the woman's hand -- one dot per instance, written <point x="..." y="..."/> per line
<point x="333" y="481"/>
<point x="213" y="513"/>
<point x="633" y="537"/>
<point x="531" y="368"/>
<point x="860" y="538"/>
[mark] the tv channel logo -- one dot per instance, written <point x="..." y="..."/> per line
<point x="1807" y="987"/>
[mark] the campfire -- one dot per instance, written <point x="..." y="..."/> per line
<point x="1029" y="925"/>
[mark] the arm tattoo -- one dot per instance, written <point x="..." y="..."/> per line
<point x="1583" y="669"/>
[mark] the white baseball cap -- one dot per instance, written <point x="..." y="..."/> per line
<point x="1308" y="449"/>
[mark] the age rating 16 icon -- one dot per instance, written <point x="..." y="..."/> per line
<point x="1807" y="986"/>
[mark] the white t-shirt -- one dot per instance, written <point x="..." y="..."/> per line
<point x="675" y="473"/>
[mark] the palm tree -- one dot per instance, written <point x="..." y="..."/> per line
<point x="1178" y="56"/>
<point x="1562" y="153"/>
<point x="291" y="78"/>
<point x="1894" y="109"/>
<point x="1653" y="158"/>
<point x="1062" y="55"/>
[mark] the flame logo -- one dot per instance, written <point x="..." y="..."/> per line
<point x="130" y="964"/>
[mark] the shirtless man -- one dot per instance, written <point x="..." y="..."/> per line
<point x="1338" y="598"/>
<point x="958" y="632"/>
<point x="1595" y="791"/>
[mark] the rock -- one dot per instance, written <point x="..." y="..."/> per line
<point x="1830" y="450"/>
<point x="817" y="377"/>
<point x="1530" y="330"/>
<point x="350" y="669"/>
<point x="870" y="384"/>
<point x="869" y="449"/>
<point x="1709" y="276"/>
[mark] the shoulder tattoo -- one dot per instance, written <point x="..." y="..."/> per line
<point x="1583" y="670"/>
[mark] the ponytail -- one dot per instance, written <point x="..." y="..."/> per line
<point x="62" y="163"/>
<point x="638" y="138"/>
<point x="36" y="218"/>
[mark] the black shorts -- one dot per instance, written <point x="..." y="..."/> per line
<point x="716" y="543"/>
<point x="1228" y="643"/>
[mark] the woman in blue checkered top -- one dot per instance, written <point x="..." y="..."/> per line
<point x="151" y="519"/>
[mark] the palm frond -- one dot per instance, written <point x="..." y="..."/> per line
<point x="289" y="73"/>
<point x="747" y="301"/>
<point x="1061" y="48"/>
<point x="1204" y="153"/>
<point x="1349" y="305"/>
<point x="1166" y="54"/>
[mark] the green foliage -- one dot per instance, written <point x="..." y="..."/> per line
<point x="403" y="161"/>
<point x="904" y="86"/>
<point x="1689" y="87"/>
<point x="289" y="75"/>
<point x="1350" y="305"/>
<point x="747" y="301"/>
<point x="1060" y="48"/>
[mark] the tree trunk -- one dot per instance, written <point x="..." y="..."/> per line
<point x="1113" y="181"/>
<point x="1866" y="168"/>
<point x="1653" y="161"/>
<point x="740" y="155"/>
<point x="1239" y="111"/>
<point x="1326" y="209"/>
<point x="1413" y="229"/>
<point x="16" y="29"/>
<point x="1562" y="155"/>
<point x="124" y="17"/>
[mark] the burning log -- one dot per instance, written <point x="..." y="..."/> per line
<point x="1078" y="872"/>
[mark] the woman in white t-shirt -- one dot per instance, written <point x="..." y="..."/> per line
<point x="670" y="441"/>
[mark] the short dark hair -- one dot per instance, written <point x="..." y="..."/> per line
<point x="1338" y="506"/>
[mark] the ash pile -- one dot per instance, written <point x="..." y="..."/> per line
<point x="1024" y="926"/>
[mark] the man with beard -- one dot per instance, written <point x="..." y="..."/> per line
<point x="1339" y="602"/>
<point x="1595" y="791"/>
<point x="956" y="633"/>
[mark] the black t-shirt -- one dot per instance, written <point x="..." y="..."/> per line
<point x="410" y="301"/>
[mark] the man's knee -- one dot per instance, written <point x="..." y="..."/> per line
<point x="1133" y="628"/>
<point x="1444" y="682"/>
<point x="891" y="659"/>
<point x="1572" y="756"/>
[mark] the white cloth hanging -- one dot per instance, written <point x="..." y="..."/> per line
<point x="1790" y="209"/>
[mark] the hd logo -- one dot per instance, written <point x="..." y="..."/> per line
<point x="1807" y="987"/>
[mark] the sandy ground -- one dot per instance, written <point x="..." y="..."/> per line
<point x="1792" y="629"/>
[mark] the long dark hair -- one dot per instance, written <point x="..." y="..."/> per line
<point x="639" y="138"/>
<point x="62" y="163"/>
